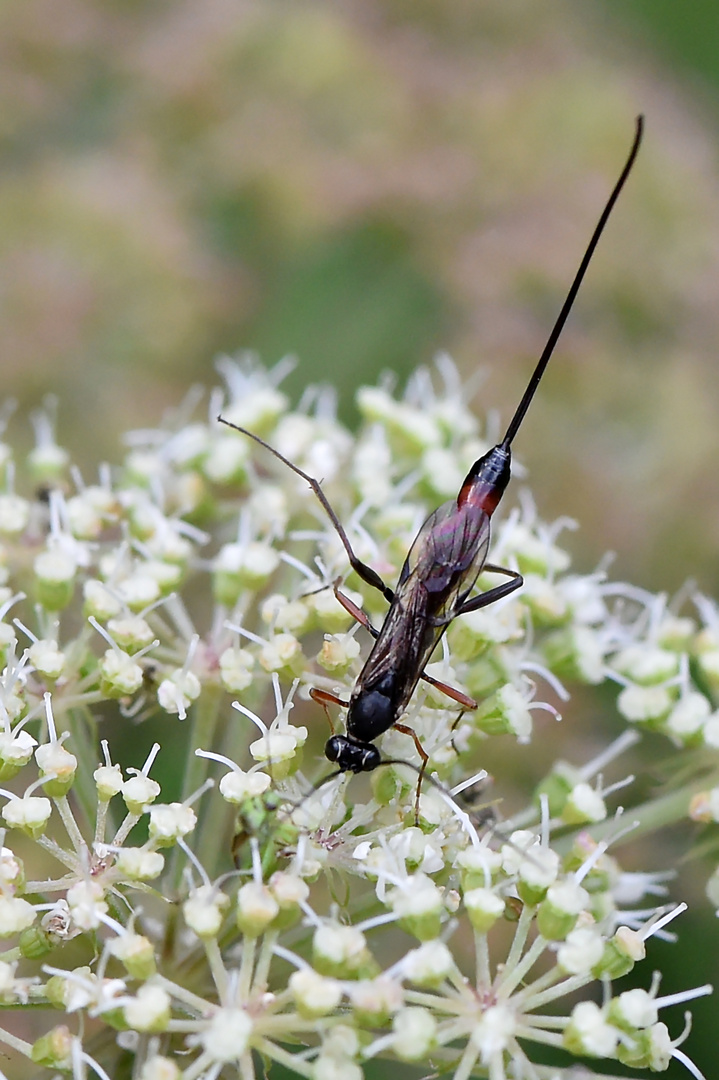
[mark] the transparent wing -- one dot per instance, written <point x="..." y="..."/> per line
<point x="440" y="570"/>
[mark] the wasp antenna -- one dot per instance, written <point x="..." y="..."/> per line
<point x="261" y="442"/>
<point x="418" y="769"/>
<point x="314" y="788"/>
<point x="572" y="294"/>
<point x="319" y="784"/>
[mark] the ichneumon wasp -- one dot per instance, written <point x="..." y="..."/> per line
<point x="439" y="573"/>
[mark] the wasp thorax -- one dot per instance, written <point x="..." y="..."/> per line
<point x="370" y="713"/>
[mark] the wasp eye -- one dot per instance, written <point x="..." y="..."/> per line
<point x="370" y="759"/>
<point x="333" y="748"/>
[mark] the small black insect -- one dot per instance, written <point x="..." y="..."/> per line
<point x="438" y="575"/>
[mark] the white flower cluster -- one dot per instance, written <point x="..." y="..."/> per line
<point x="194" y="965"/>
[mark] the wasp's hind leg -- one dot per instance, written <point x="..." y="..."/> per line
<point x="424" y="757"/>
<point x="325" y="698"/>
<point x="491" y="595"/>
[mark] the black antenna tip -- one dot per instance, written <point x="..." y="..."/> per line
<point x="571" y="296"/>
<point x="638" y="134"/>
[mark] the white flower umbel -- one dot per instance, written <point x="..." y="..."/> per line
<point x="232" y="928"/>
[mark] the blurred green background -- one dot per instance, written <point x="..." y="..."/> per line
<point x="362" y="183"/>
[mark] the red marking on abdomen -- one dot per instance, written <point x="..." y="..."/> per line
<point x="480" y="494"/>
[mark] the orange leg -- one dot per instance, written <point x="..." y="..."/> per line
<point x="451" y="691"/>
<point x="425" y="760"/>
<point x="357" y="613"/>
<point x="325" y="698"/>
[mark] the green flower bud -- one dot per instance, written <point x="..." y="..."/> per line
<point x="647" y="705"/>
<point x="429" y="964"/>
<point x="632" y="1010"/>
<point x="283" y="654"/>
<point x="99" y="601"/>
<point x="390" y="783"/>
<point x="30" y="814"/>
<point x="338" y="653"/>
<point x="375" y="1001"/>
<point x="204" y="911"/>
<point x="169" y="822"/>
<point x="150" y="1010"/>
<point x="341" y="951"/>
<point x="15" y="751"/>
<point x="419" y="907"/>
<point x="256" y="909"/>
<point x="558" y="913"/>
<point x="140" y="865"/>
<point x="131" y="633"/>
<point x="536" y="873"/>
<point x="54" y="579"/>
<point x="589" y="1034"/>
<point x="47" y="659"/>
<point x="14" y="514"/>
<point x="479" y="867"/>
<point x="707" y="661"/>
<point x="549" y="607"/>
<point x="56" y="989"/>
<point x="236" y="669"/>
<point x="329" y="613"/>
<point x="415" y="1033"/>
<point x="484" y="907"/>
<point x="59" y="765"/>
<point x="620" y="955"/>
<point x="242" y="566"/>
<point x="54" y="1049"/>
<point x="138" y="792"/>
<point x="34" y="943"/>
<point x="115" y="1018"/>
<point x="557" y="786"/>
<point x="584" y="806"/>
<point x="136" y="953"/>
<point x="120" y="675"/>
<point x="15" y="916"/>
<point x="47" y="463"/>
<point x="226" y="460"/>
<point x="575" y="653"/>
<point x="505" y="713"/>
<point x="651" y="1049"/>
<point x="108" y="781"/>
<point x="486" y="676"/>
<point x="314" y="995"/>
<point x="646" y="665"/>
